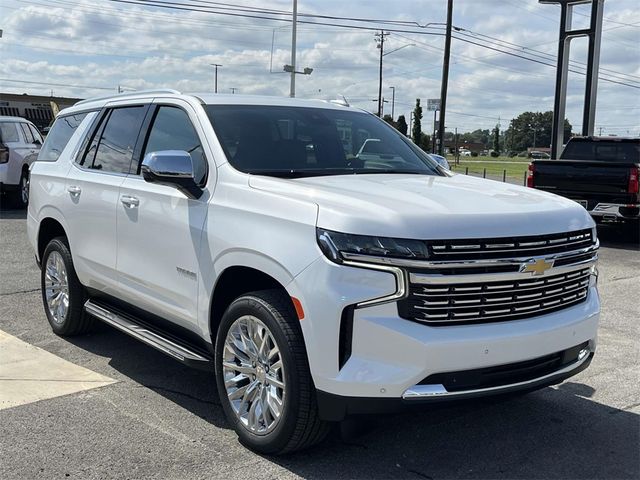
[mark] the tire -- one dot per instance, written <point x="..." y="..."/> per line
<point x="273" y="318"/>
<point x="21" y="195"/>
<point x="64" y="311"/>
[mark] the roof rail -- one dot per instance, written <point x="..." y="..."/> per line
<point x="129" y="94"/>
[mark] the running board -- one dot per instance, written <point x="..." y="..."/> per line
<point x="127" y="324"/>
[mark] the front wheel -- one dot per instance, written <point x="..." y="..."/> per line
<point x="263" y="377"/>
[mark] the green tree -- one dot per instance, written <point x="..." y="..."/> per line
<point x="387" y="118"/>
<point x="496" y="139"/>
<point x="532" y="129"/>
<point x="425" y="142"/>
<point x="416" y="131"/>
<point x="401" y="125"/>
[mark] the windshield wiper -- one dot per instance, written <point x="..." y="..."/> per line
<point x="318" y="172"/>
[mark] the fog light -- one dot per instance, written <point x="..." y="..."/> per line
<point x="583" y="353"/>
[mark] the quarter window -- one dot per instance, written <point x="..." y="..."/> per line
<point x="172" y="130"/>
<point x="8" y="132"/>
<point x="118" y="140"/>
<point x="58" y="137"/>
<point x="28" y="136"/>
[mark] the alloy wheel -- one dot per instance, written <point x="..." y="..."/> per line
<point x="56" y="287"/>
<point x="253" y="373"/>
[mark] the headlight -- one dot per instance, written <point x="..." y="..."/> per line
<point x="335" y="244"/>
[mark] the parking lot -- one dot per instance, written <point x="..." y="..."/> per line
<point x="162" y="420"/>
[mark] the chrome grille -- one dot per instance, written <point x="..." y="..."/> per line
<point x="495" y="300"/>
<point x="510" y="246"/>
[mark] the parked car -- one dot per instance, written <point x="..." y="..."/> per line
<point x="465" y="153"/>
<point x="539" y="155"/>
<point x="440" y="160"/>
<point x="600" y="173"/>
<point x="312" y="283"/>
<point x="20" y="143"/>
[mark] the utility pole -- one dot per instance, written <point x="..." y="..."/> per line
<point x="445" y="77"/>
<point x="393" y="102"/>
<point x="380" y="37"/>
<point x="433" y="137"/>
<point x="600" y="131"/>
<point x="216" y="65"/>
<point x="292" y="89"/>
<point x="233" y="89"/>
<point x="457" y="157"/>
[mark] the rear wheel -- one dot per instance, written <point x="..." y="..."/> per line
<point x="63" y="295"/>
<point x="21" y="195"/>
<point x="263" y="375"/>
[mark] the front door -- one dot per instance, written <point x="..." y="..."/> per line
<point x="160" y="228"/>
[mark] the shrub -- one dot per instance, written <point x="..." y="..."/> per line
<point x="494" y="153"/>
<point x="474" y="154"/>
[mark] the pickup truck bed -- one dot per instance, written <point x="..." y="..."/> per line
<point x="605" y="182"/>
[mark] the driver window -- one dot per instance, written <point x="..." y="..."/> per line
<point x="172" y="130"/>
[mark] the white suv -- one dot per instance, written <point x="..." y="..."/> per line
<point x="244" y="235"/>
<point x="20" y="143"/>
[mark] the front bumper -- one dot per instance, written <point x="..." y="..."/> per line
<point x="390" y="356"/>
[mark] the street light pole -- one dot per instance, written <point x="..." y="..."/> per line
<point x="216" y="65"/>
<point x="292" y="89"/>
<point x="393" y="102"/>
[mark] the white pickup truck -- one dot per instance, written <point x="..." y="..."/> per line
<point x="242" y="235"/>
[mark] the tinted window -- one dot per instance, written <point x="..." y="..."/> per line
<point x="9" y="132"/>
<point x="607" y="151"/>
<point x="36" y="134"/>
<point x="300" y="141"/>
<point x="118" y="139"/>
<point x="172" y="130"/>
<point x="59" y="135"/>
<point x="28" y="136"/>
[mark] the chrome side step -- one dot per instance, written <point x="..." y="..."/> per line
<point x="128" y="325"/>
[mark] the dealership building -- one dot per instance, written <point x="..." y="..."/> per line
<point x="40" y="110"/>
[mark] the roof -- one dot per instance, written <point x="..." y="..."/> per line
<point x="13" y="119"/>
<point x="604" y="139"/>
<point x="205" y="98"/>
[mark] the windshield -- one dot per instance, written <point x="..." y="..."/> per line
<point x="300" y="142"/>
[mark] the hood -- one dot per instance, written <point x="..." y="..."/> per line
<point x="430" y="207"/>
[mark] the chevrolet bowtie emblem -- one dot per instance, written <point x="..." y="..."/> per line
<point x="537" y="267"/>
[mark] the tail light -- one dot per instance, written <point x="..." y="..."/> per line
<point x="532" y="171"/>
<point x="633" y="180"/>
<point x="4" y="153"/>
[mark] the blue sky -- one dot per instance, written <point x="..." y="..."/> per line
<point x="85" y="48"/>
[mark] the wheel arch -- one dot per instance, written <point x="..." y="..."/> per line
<point x="48" y="229"/>
<point x="233" y="282"/>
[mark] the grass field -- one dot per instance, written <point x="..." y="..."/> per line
<point x="493" y="167"/>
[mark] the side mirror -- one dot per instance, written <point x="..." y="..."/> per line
<point x="173" y="168"/>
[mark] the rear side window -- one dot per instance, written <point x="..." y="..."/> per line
<point x="58" y="137"/>
<point x="172" y="130"/>
<point x="28" y="136"/>
<point x="9" y="132"/>
<point x="36" y="134"/>
<point x="114" y="150"/>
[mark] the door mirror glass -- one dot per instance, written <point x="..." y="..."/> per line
<point x="171" y="167"/>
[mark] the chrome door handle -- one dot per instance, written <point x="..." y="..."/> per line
<point x="129" y="201"/>
<point x="74" y="191"/>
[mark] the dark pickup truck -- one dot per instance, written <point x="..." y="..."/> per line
<point x="600" y="173"/>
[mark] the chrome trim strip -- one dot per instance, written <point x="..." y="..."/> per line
<point x="427" y="278"/>
<point x="144" y="335"/>
<point x="401" y="283"/>
<point x="439" y="264"/>
<point x="421" y="392"/>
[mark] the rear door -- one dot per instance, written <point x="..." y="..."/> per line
<point x="92" y="190"/>
<point x="159" y="228"/>
<point x="13" y="140"/>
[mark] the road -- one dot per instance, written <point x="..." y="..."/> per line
<point x="161" y="420"/>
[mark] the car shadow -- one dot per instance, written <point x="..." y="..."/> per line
<point x="7" y="211"/>
<point x="624" y="237"/>
<point x="557" y="432"/>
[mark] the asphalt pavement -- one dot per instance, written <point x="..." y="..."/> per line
<point x="162" y="420"/>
